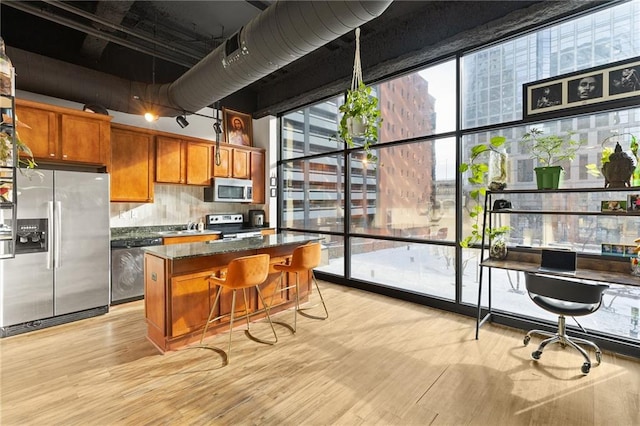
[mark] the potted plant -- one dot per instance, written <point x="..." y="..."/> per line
<point x="481" y="178"/>
<point x="360" y="113"/>
<point x="549" y="151"/>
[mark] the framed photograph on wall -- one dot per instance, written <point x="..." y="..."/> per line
<point x="605" y="87"/>
<point x="237" y="127"/>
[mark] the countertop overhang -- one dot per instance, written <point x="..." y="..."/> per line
<point x="210" y="248"/>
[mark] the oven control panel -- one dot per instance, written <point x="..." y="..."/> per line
<point x="223" y="219"/>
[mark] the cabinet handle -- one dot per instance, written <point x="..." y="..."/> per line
<point x="64" y="155"/>
<point x="51" y="154"/>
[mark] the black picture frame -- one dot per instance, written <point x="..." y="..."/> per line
<point x="610" y="86"/>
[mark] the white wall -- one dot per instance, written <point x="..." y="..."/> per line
<point x="180" y="204"/>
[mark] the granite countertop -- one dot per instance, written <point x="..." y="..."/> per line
<point x="128" y="233"/>
<point x="209" y="248"/>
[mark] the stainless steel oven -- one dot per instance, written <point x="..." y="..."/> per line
<point x="127" y="268"/>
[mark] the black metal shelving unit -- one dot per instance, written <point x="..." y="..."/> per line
<point x="489" y="213"/>
<point x="8" y="190"/>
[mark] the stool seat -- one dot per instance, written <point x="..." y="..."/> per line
<point x="304" y="259"/>
<point x="242" y="273"/>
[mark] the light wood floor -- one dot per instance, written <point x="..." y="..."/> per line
<point x="375" y="361"/>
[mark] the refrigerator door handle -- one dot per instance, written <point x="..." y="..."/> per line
<point x="58" y="234"/>
<point x="50" y="216"/>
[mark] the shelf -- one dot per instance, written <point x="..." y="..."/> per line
<point x="563" y="190"/>
<point x="567" y="213"/>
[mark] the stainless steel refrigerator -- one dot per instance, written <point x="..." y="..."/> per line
<point x="61" y="270"/>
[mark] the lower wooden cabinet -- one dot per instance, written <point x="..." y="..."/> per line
<point x="132" y="165"/>
<point x="189" y="239"/>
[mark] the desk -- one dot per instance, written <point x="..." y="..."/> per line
<point x="592" y="268"/>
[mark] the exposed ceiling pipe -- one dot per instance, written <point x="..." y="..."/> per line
<point x="284" y="32"/>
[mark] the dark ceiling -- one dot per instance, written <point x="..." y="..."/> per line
<point x="157" y="41"/>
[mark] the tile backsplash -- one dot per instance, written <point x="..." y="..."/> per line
<point x="173" y="205"/>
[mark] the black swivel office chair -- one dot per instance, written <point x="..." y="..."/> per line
<point x="564" y="297"/>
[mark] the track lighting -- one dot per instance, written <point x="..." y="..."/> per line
<point x="150" y="117"/>
<point x="182" y="121"/>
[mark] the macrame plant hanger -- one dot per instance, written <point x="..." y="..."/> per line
<point x="356" y="79"/>
<point x="218" y="130"/>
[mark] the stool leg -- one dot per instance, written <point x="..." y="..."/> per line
<point x="233" y="309"/>
<point x="273" y="330"/>
<point x="302" y="311"/>
<point x="213" y="308"/>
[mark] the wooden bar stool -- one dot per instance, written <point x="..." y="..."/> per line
<point x="242" y="273"/>
<point x="303" y="260"/>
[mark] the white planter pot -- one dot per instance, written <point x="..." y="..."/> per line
<point x="356" y="126"/>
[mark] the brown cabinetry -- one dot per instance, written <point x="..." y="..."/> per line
<point x="64" y="135"/>
<point x="189" y="239"/>
<point x="183" y="161"/>
<point x="132" y="165"/>
<point x="234" y="162"/>
<point x="257" y="176"/>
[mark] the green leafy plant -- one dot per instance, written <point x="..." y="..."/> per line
<point x="550" y="150"/>
<point x="360" y="105"/>
<point x="6" y="151"/>
<point x="479" y="168"/>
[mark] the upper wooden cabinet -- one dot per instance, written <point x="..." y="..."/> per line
<point x="234" y="162"/>
<point x="183" y="161"/>
<point x="257" y="176"/>
<point x="132" y="164"/>
<point x="58" y="134"/>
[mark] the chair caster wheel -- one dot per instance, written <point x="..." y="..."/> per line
<point x="536" y="354"/>
<point x="526" y="340"/>
<point x="586" y="367"/>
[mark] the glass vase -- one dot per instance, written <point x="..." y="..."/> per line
<point x="498" y="248"/>
<point x="497" y="174"/>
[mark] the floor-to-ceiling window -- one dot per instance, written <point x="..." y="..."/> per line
<point x="393" y="224"/>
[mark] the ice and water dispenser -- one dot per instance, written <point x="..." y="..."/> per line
<point x="31" y="236"/>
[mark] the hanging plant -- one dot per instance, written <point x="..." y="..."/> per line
<point x="360" y="113"/>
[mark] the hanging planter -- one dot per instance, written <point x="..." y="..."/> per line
<point x="360" y="113"/>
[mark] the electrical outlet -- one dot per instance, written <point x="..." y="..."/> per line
<point x="134" y="214"/>
<point x="122" y="214"/>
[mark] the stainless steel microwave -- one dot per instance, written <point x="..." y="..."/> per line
<point x="230" y="190"/>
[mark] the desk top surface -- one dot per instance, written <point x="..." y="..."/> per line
<point x="210" y="248"/>
<point x="607" y="276"/>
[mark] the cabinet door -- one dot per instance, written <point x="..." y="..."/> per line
<point x="83" y="139"/>
<point x="42" y="136"/>
<point x="241" y="164"/>
<point x="169" y="160"/>
<point x="222" y="169"/>
<point x="132" y="166"/>
<point x="189" y="303"/>
<point x="199" y="163"/>
<point x="257" y="176"/>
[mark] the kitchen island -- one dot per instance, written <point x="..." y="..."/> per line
<point x="179" y="294"/>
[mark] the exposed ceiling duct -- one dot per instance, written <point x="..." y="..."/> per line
<point x="283" y="33"/>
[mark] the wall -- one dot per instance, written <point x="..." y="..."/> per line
<point x="177" y="204"/>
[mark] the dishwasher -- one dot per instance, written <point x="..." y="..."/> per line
<point x="127" y="268"/>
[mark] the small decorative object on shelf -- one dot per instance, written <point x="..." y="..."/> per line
<point x="498" y="247"/>
<point x="619" y="169"/>
<point x="635" y="266"/>
<point x="7" y="73"/>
